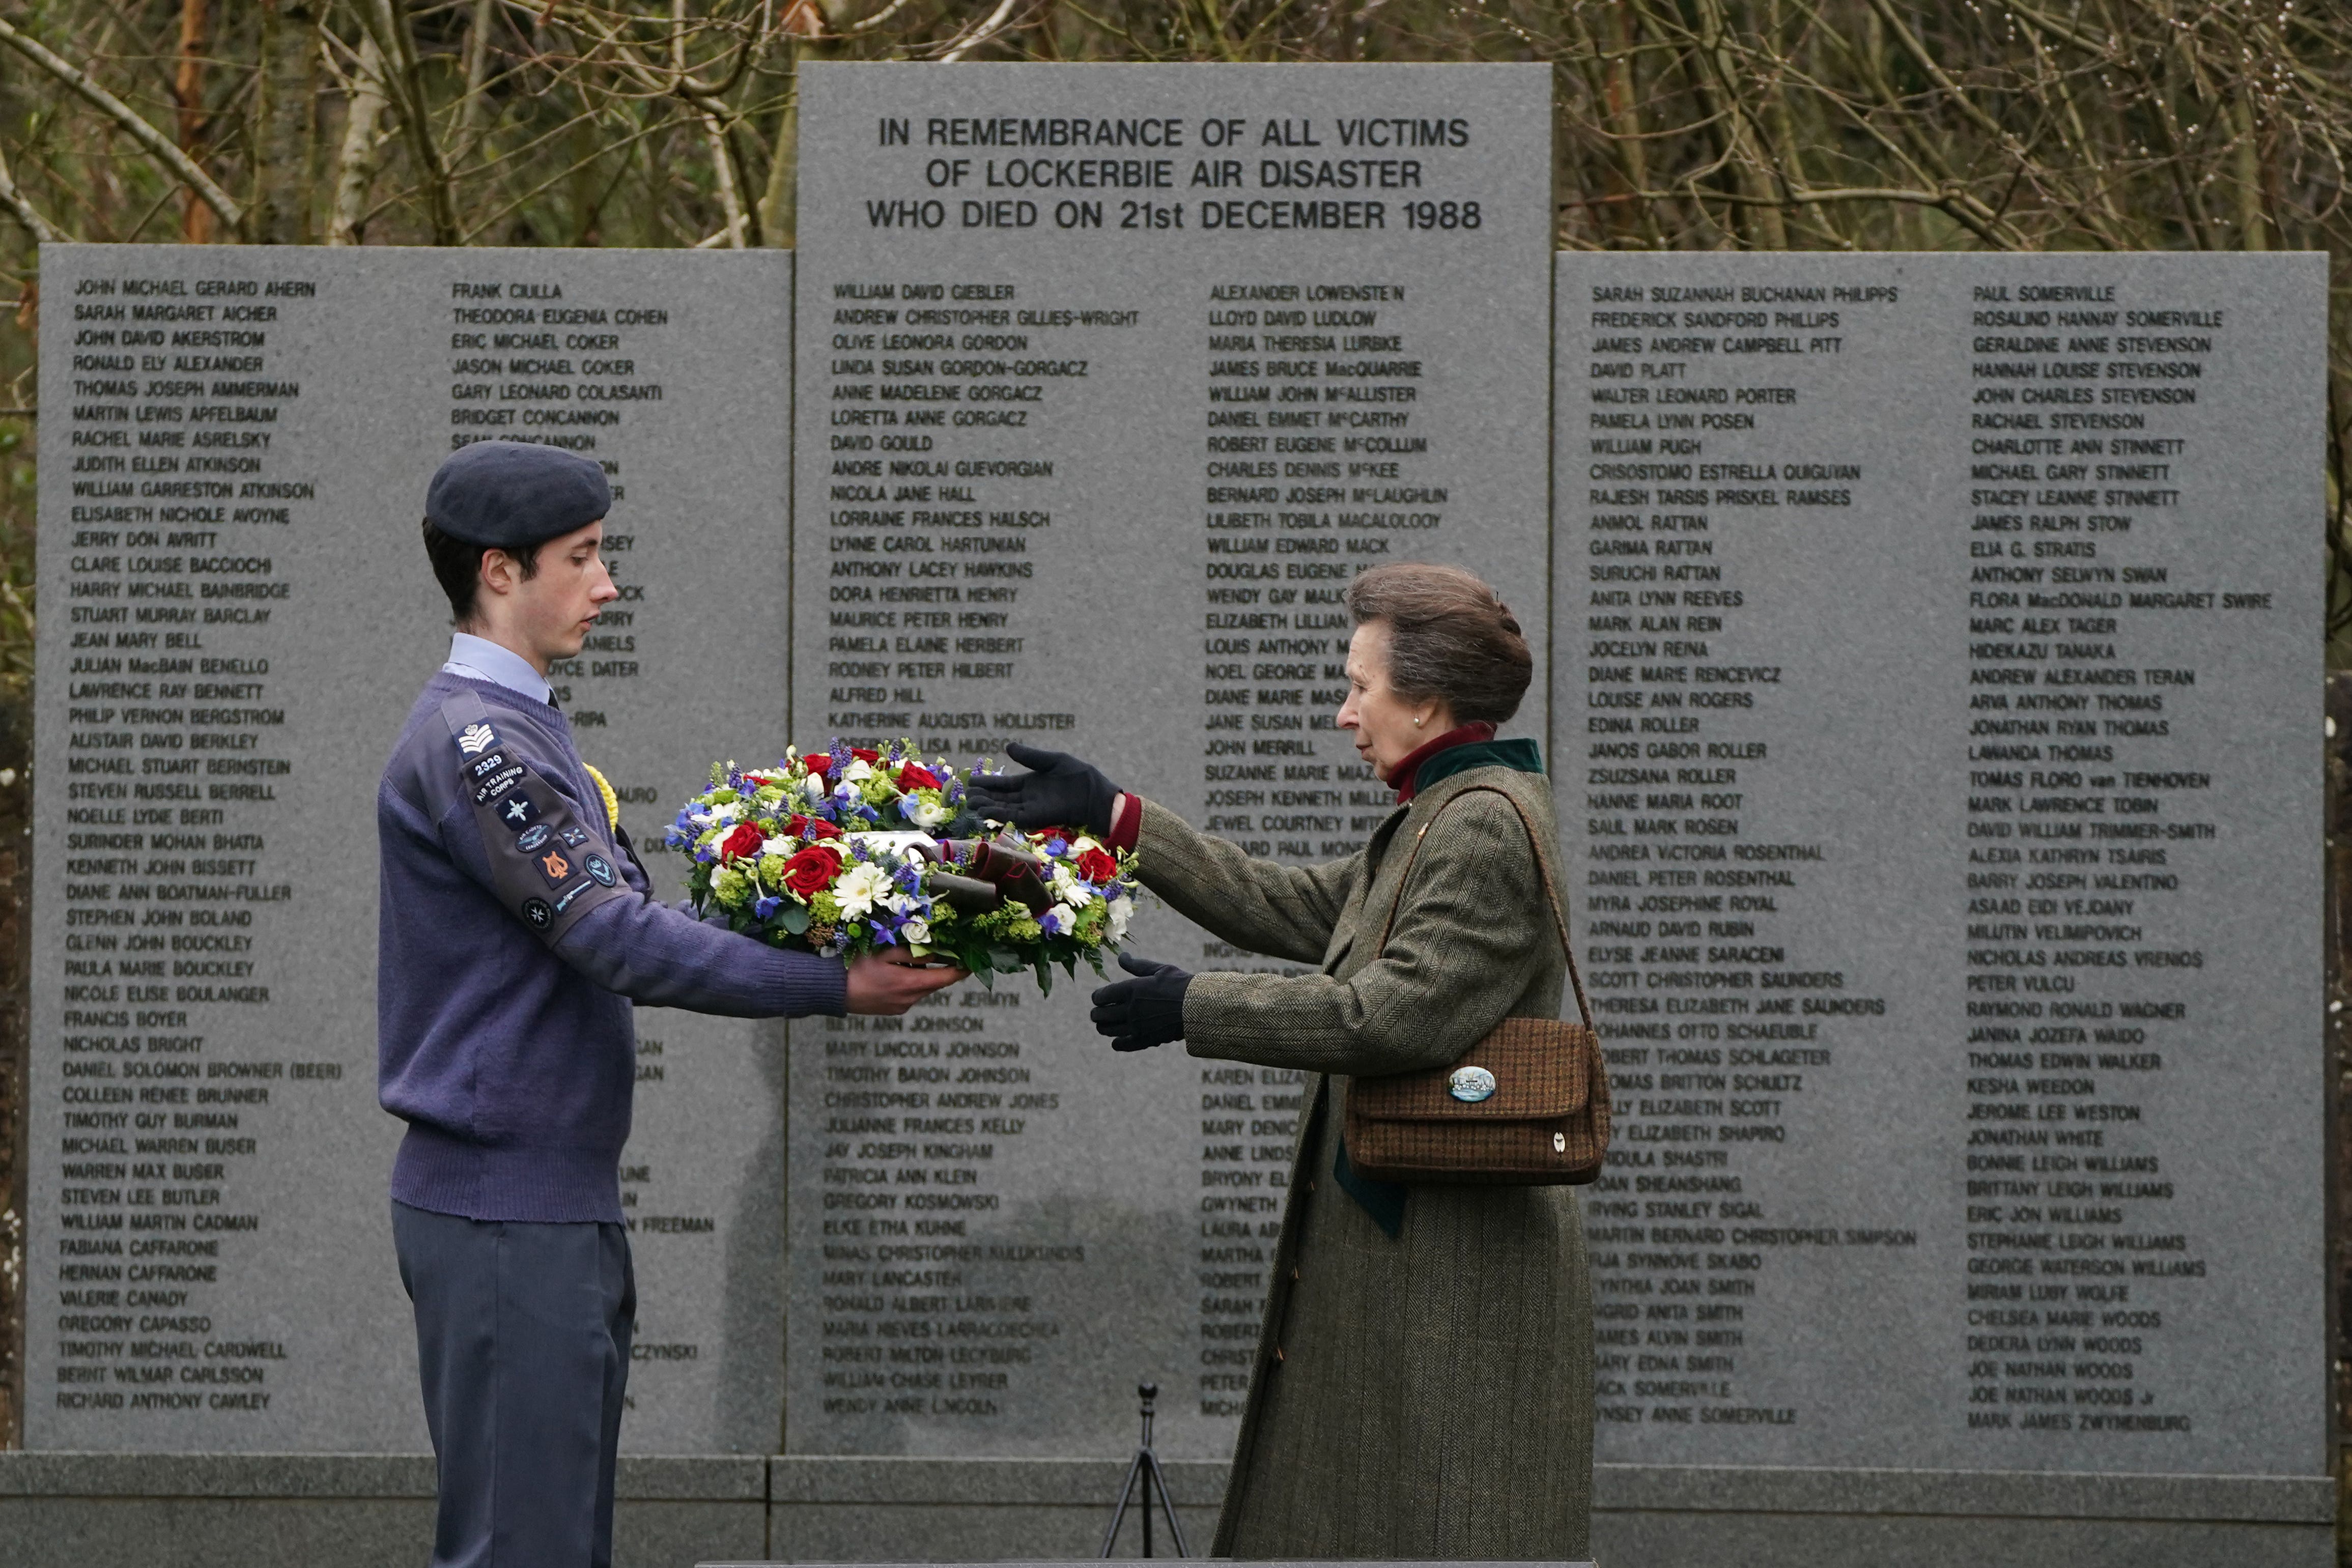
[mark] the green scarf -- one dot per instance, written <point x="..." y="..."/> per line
<point x="1519" y="755"/>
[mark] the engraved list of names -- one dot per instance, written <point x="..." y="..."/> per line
<point x="1110" y="378"/>
<point x="237" y="614"/>
<point x="1938" y="645"/>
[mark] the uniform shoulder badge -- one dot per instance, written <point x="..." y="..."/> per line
<point x="476" y="738"/>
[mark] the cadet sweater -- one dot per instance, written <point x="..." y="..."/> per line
<point x="513" y="1063"/>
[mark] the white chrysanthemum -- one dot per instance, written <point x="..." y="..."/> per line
<point x="1072" y="889"/>
<point x="780" y="847"/>
<point x="1120" y="913"/>
<point x="859" y="887"/>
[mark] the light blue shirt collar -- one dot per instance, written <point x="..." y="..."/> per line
<point x="483" y="660"/>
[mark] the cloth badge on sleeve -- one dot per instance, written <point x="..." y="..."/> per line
<point x="540" y="863"/>
<point x="498" y="783"/>
<point x="563" y="900"/>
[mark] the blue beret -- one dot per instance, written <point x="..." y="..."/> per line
<point x="510" y="495"/>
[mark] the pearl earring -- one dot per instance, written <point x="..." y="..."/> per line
<point x="1417" y="724"/>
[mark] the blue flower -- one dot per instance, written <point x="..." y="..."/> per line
<point x="766" y="907"/>
<point x="1057" y="846"/>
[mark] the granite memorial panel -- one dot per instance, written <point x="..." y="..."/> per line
<point x="236" y="615"/>
<point x="1938" y="646"/>
<point x="1935" y="661"/>
<point x="1111" y="377"/>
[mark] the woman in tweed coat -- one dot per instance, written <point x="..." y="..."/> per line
<point x="1424" y="1382"/>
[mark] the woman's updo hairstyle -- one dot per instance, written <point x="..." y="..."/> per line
<point x="1450" y="638"/>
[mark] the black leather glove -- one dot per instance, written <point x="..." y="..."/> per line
<point x="1143" y="1012"/>
<point x="1058" y="791"/>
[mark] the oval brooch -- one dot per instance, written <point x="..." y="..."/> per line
<point x="1470" y="1085"/>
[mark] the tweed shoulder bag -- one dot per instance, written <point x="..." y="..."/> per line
<point x="1526" y="1106"/>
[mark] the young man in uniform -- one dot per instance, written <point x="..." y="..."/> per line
<point x="516" y="930"/>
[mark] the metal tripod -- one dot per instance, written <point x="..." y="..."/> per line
<point x="1145" y="1471"/>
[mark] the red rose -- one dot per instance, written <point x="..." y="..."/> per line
<point x="915" y="776"/>
<point x="1097" y="867"/>
<point x="862" y="755"/>
<point x="744" y="841"/>
<point x="812" y="870"/>
<point x="817" y="762"/>
<point x="818" y="828"/>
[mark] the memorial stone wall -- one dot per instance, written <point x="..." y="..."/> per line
<point x="1937" y="643"/>
<point x="1111" y="378"/>
<point x="236" y="616"/>
<point x="1933" y="655"/>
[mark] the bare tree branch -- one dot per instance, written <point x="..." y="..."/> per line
<point x="389" y="26"/>
<point x="157" y="144"/>
<point x="982" y="34"/>
<point x="43" y="231"/>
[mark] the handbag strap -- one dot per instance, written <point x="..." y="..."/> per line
<point x="1543" y="870"/>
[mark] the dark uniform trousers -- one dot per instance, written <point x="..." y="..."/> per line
<point x="522" y="1338"/>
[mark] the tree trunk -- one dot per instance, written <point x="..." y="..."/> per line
<point x="188" y="86"/>
<point x="362" y="153"/>
<point x="284" y="106"/>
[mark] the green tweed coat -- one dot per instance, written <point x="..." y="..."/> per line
<point x="1428" y="1395"/>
